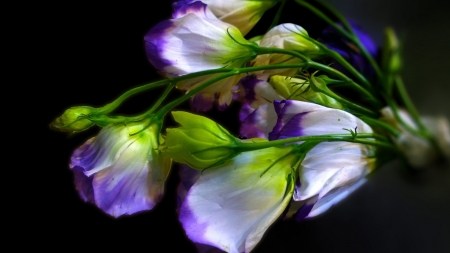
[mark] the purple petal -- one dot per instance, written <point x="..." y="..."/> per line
<point x="337" y="42"/>
<point x="256" y="123"/>
<point x="155" y="42"/>
<point x="304" y="210"/>
<point x="202" y="102"/>
<point x="182" y="8"/>
<point x="288" y="125"/>
<point x="83" y="184"/>
<point x="188" y="177"/>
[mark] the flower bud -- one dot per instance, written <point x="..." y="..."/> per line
<point x="299" y="89"/>
<point x="291" y="37"/>
<point x="391" y="58"/>
<point x="74" y="119"/>
<point x="199" y="143"/>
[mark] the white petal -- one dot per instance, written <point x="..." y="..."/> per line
<point x="231" y="207"/>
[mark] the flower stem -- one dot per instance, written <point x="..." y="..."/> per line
<point x="363" y="138"/>
<point x="276" y="19"/>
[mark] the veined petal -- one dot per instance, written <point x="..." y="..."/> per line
<point x="119" y="170"/>
<point x="101" y="151"/>
<point x="139" y="187"/>
<point x="231" y="207"/>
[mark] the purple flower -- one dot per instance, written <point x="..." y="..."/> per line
<point x="195" y="40"/>
<point x="349" y="51"/>
<point x="120" y="169"/>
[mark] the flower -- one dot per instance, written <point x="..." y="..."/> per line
<point x="199" y="143"/>
<point x="418" y="150"/>
<point x="120" y="169"/>
<point x="195" y="40"/>
<point x="286" y="36"/>
<point x="243" y="14"/>
<point x="330" y="170"/>
<point x="231" y="207"/>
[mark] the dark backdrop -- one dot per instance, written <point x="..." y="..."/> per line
<point x="96" y="53"/>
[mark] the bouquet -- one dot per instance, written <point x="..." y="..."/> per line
<point x="317" y="117"/>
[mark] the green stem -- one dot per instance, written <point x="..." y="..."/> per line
<point x="380" y="124"/>
<point x="113" y="105"/>
<point x="276" y="19"/>
<point x="409" y="105"/>
<point x="160" y="99"/>
<point x="349" y="67"/>
<point x="361" y="138"/>
<point x="360" y="109"/>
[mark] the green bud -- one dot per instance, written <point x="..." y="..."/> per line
<point x="199" y="143"/>
<point x="391" y="57"/>
<point x="74" y="119"/>
<point x="300" y="89"/>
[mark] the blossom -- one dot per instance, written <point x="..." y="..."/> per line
<point x="195" y="40"/>
<point x="330" y="170"/>
<point x="286" y="36"/>
<point x="231" y="207"/>
<point x="200" y="142"/>
<point x="120" y="169"/>
<point x="243" y="14"/>
<point x="418" y="150"/>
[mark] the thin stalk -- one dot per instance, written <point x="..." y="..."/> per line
<point x="409" y="104"/>
<point x="360" y="138"/>
<point x="276" y="19"/>
<point x="160" y="99"/>
<point x="380" y="124"/>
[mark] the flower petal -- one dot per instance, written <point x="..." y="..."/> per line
<point x="297" y="118"/>
<point x="231" y="207"/>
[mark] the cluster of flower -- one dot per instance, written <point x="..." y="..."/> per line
<point x="305" y="148"/>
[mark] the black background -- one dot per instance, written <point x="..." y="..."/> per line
<point x="94" y="52"/>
